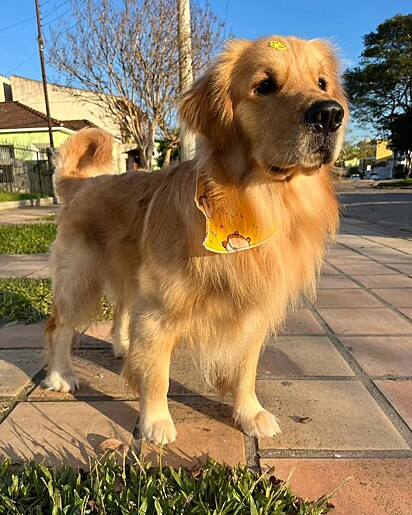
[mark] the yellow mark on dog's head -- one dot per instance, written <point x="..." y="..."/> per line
<point x="278" y="45"/>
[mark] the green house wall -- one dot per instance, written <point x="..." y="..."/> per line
<point x="27" y="138"/>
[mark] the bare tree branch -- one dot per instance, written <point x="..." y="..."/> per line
<point x="126" y="53"/>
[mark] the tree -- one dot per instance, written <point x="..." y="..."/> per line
<point x="381" y="86"/>
<point x="126" y="53"/>
<point x="401" y="136"/>
<point x="351" y="150"/>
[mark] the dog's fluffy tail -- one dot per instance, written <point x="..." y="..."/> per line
<point x="86" y="154"/>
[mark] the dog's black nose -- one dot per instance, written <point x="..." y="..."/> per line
<point x="325" y="116"/>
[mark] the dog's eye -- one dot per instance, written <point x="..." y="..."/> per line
<point x="266" y="87"/>
<point x="322" y="84"/>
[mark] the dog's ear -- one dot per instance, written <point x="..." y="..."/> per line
<point x="207" y="107"/>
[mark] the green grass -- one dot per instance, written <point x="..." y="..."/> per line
<point x="27" y="300"/>
<point x="402" y="183"/>
<point x="111" y="487"/>
<point x="26" y="238"/>
<point x="30" y="300"/>
<point x="6" y="196"/>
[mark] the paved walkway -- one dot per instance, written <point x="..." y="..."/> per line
<point x="339" y="379"/>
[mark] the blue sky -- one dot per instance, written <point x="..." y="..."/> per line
<point x="344" y="22"/>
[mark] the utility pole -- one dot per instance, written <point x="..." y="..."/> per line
<point x="43" y="72"/>
<point x="187" y="142"/>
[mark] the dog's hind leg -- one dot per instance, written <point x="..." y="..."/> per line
<point x="76" y="297"/>
<point x="120" y="331"/>
<point x="59" y="338"/>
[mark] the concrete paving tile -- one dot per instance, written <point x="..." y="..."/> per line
<point x="343" y="416"/>
<point x="97" y="335"/>
<point x="17" y="368"/>
<point x="99" y="374"/>
<point x="328" y="270"/>
<point x="40" y="273"/>
<point x="387" y="240"/>
<point x="384" y="281"/>
<point x="34" y="258"/>
<point x="398" y="259"/>
<point x="5" y="259"/>
<point x="185" y="377"/>
<point x="400" y="298"/>
<point x="379" y="486"/>
<point x="364" y="321"/>
<point x="24" y="267"/>
<point x="355" y="298"/>
<point x="336" y="282"/>
<point x="22" y="336"/>
<point x="407" y="249"/>
<point x="381" y="355"/>
<point x="399" y="394"/>
<point x="302" y="321"/>
<point x="406" y="311"/>
<point x="6" y="273"/>
<point x="354" y="259"/>
<point x="65" y="432"/>
<point x="204" y="429"/>
<point x="300" y="356"/>
<point x="405" y="268"/>
<point x="387" y="255"/>
<point x="364" y="268"/>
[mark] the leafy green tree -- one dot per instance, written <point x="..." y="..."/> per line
<point x="400" y="127"/>
<point x="381" y="86"/>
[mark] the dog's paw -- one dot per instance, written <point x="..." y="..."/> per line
<point x="119" y="352"/>
<point x="160" y="432"/>
<point x="262" y="424"/>
<point x="62" y="382"/>
<point x="120" y="348"/>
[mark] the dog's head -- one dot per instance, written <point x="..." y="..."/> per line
<point x="277" y="98"/>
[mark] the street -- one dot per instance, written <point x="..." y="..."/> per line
<point x="386" y="208"/>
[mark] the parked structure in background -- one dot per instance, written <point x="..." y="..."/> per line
<point x="69" y="108"/>
<point x="376" y="160"/>
<point x="24" y="140"/>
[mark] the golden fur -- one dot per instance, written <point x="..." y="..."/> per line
<point x="139" y="236"/>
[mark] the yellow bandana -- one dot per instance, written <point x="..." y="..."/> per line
<point x="228" y="231"/>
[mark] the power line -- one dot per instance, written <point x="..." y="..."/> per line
<point x="47" y="13"/>
<point x="17" y="24"/>
<point x="23" y="62"/>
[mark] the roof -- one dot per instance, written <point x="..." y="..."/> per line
<point x="14" y="115"/>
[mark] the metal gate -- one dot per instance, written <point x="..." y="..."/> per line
<point x="25" y="170"/>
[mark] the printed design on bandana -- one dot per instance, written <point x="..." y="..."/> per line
<point x="229" y="230"/>
<point x="278" y="45"/>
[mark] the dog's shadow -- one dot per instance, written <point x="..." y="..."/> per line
<point x="104" y="390"/>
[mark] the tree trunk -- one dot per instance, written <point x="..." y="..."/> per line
<point x="166" y="161"/>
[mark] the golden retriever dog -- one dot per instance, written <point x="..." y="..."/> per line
<point x="212" y="252"/>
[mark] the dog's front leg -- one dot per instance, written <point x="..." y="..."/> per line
<point x="147" y="369"/>
<point x="248" y="413"/>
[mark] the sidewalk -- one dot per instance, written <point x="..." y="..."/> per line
<point x="339" y="379"/>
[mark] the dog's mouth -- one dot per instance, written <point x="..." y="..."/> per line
<point x="308" y="164"/>
<point x="283" y="172"/>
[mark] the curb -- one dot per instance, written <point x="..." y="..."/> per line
<point x="36" y="202"/>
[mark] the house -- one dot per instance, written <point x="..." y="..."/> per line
<point x="67" y="103"/>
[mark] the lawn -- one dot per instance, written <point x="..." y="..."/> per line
<point x="111" y="487"/>
<point x="27" y="238"/>
<point x="6" y="196"/>
<point x="401" y="183"/>
<point x="30" y="300"/>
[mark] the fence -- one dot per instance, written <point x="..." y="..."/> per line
<point x="25" y="170"/>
